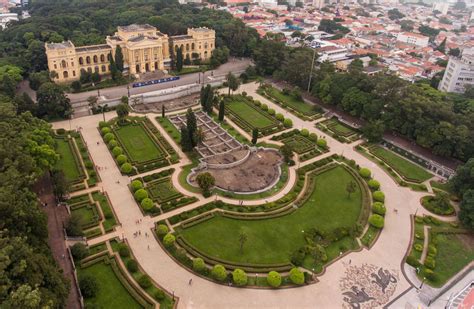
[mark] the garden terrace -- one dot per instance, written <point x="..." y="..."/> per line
<point x="407" y="170"/>
<point x="216" y="140"/>
<point x="249" y="115"/>
<point x="273" y="238"/>
<point x="290" y="102"/>
<point x="340" y="131"/>
<point x="444" y="239"/>
<point x="70" y="162"/>
<point x="305" y="146"/>
<point x="142" y="144"/>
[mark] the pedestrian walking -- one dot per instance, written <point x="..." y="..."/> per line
<point x="350" y="262"/>
<point x="148" y="247"/>
<point x="146" y="234"/>
<point x="140" y="233"/>
<point x="190" y="281"/>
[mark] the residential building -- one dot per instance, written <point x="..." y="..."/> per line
<point x="5" y="18"/>
<point x="144" y="48"/>
<point x="413" y="38"/>
<point x="443" y="7"/>
<point x="332" y="53"/>
<point x="459" y="74"/>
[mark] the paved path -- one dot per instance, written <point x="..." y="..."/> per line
<point x="387" y="252"/>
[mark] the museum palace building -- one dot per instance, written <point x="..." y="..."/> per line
<point x="144" y="48"/>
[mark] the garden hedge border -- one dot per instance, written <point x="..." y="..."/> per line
<point x="77" y="160"/>
<point x="159" y="181"/>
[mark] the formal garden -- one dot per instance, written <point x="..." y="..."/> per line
<point x="439" y="249"/>
<point x="156" y="194"/>
<point x="310" y="227"/>
<point x="340" y="131"/>
<point x="109" y="275"/>
<point x="306" y="145"/>
<point x="75" y="161"/>
<point x="91" y="215"/>
<point x="250" y="114"/>
<point x="136" y="145"/>
<point x="291" y="100"/>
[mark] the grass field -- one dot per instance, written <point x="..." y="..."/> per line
<point x="111" y="293"/>
<point x="341" y="129"/>
<point x="109" y="221"/>
<point x="88" y="216"/>
<point x="298" y="105"/>
<point x="273" y="240"/>
<point x="67" y="162"/>
<point x="138" y="144"/>
<point x="250" y="115"/>
<point x="401" y="165"/>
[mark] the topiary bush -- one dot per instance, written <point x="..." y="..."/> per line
<point x="418" y="247"/>
<point x="379" y="196"/>
<point x="373" y="184"/>
<point x="144" y="281"/>
<point x="218" y="272"/>
<point x="379" y="208"/>
<point x="274" y="279"/>
<point x="136" y="185"/>
<point x="169" y="240"/>
<point x="124" y="251"/>
<point x="413" y="261"/>
<point x="103" y="124"/>
<point x="264" y="107"/>
<point x="199" y="265"/>
<point x="288" y="123"/>
<point x="304" y="132"/>
<point x="376" y="221"/>
<point x="430" y="262"/>
<point x="296" y="276"/>
<point x="112" y="143"/>
<point x="108" y="137"/>
<point x="140" y="194"/>
<point x="162" y="230"/>
<point x="271" y="111"/>
<point x="121" y="159"/>
<point x="432" y="251"/>
<point x="313" y="137"/>
<point x="322" y="143"/>
<point x="132" y="266"/>
<point x="239" y="277"/>
<point x="147" y="203"/>
<point x="365" y="172"/>
<point x="105" y="130"/>
<point x="126" y="168"/>
<point x="280" y="117"/>
<point x="117" y="151"/>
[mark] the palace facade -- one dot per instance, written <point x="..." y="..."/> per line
<point x="144" y="48"/>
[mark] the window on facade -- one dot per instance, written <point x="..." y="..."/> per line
<point x="65" y="74"/>
<point x="96" y="69"/>
<point x="63" y="64"/>
<point x="205" y="45"/>
<point x="102" y="58"/>
<point x="187" y="47"/>
<point x="72" y="63"/>
<point x="55" y="66"/>
<point x="81" y="61"/>
<point x="88" y="60"/>
<point x="192" y="46"/>
<point x="103" y="68"/>
<point x="95" y="59"/>
<point x="89" y="70"/>
<point x="74" y="73"/>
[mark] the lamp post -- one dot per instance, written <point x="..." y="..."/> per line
<point x="312" y="66"/>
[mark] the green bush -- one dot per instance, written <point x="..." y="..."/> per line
<point x="147" y="203"/>
<point x="432" y="251"/>
<point x="274" y="279"/>
<point x="413" y="261"/>
<point x="159" y="294"/>
<point x="271" y="111"/>
<point x="140" y="194"/>
<point x="280" y="117"/>
<point x="126" y="168"/>
<point x="296" y="276"/>
<point x="239" y="277"/>
<point x="136" y="185"/>
<point x="132" y="266"/>
<point x="169" y="240"/>
<point x="105" y="130"/>
<point x="218" y="272"/>
<point x="322" y="143"/>
<point x="365" y="172"/>
<point x="288" y="123"/>
<point x="418" y="247"/>
<point x="198" y="265"/>
<point x="305" y="132"/>
<point x="112" y="143"/>
<point x="379" y="208"/>
<point x="108" y="137"/>
<point x="430" y="262"/>
<point x="124" y="251"/>
<point x="144" y="281"/>
<point x="264" y="107"/>
<point x="373" y="184"/>
<point x="88" y="286"/>
<point x="376" y="221"/>
<point x="379" y="196"/>
<point x="117" y="151"/>
<point x="79" y="251"/>
<point x="162" y="230"/>
<point x="103" y="124"/>
<point x="121" y="159"/>
<point x="313" y="137"/>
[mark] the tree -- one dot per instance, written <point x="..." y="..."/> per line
<point x="114" y="71"/>
<point x="191" y="125"/>
<point x="163" y="111"/>
<point x="119" y="58"/>
<point x="52" y="102"/>
<point x="232" y="82"/>
<point x="456" y="52"/>
<point x="36" y="79"/>
<point x="79" y="251"/>
<point x="466" y="214"/>
<point x="442" y="46"/>
<point x="350" y="188"/>
<point x="122" y="112"/>
<point x="95" y="77"/>
<point x="243" y="237"/>
<point x="74" y="225"/>
<point x="76" y="86"/>
<point x="374" y="130"/>
<point x="88" y="286"/>
<point x="186" y="143"/>
<point x="205" y="181"/>
<point x="254" y="136"/>
<point x="463" y="180"/>
<point x="395" y="14"/>
<point x="60" y="184"/>
<point x="179" y="59"/>
<point x="221" y="110"/>
<point x="287" y="152"/>
<point x="407" y="25"/>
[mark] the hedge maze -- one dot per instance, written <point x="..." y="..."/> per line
<point x="137" y="145"/>
<point x="249" y="115"/>
<point x="302" y="143"/>
<point x="340" y="131"/>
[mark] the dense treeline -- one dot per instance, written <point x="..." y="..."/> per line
<point x="435" y="120"/>
<point x="30" y="276"/>
<point x="88" y="22"/>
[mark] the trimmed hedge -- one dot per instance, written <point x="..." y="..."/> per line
<point x="376" y="221"/>
<point x="379" y="208"/>
<point x="379" y="196"/>
<point x="219" y="272"/>
<point x="296" y="276"/>
<point x="274" y="279"/>
<point x="239" y="277"/>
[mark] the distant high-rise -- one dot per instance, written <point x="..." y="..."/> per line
<point x="459" y="74"/>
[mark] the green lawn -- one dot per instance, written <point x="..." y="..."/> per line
<point x="87" y="214"/>
<point x="170" y="128"/>
<point x="290" y="101"/>
<point x="110" y="221"/>
<point x="341" y="129"/>
<point x="67" y="162"/>
<point x="250" y="115"/>
<point x="138" y="144"/>
<point x="404" y="167"/>
<point x="453" y="255"/>
<point x="273" y="240"/>
<point x="111" y="293"/>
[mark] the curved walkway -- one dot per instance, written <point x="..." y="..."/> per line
<point x="387" y="252"/>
